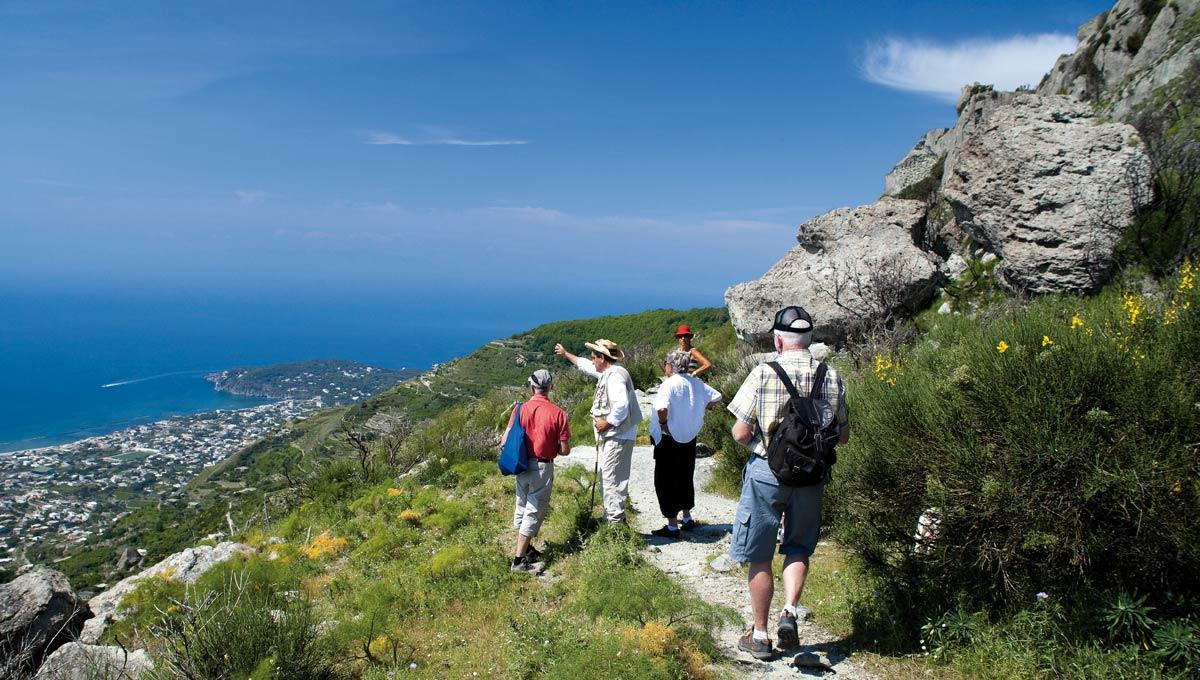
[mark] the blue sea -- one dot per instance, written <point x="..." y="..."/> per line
<point x="73" y="364"/>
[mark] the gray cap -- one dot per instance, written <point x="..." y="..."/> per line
<point x="541" y="380"/>
<point x="680" y="361"/>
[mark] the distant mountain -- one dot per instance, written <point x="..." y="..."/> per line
<point x="335" y="381"/>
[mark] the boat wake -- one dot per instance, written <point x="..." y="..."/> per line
<point x="134" y="381"/>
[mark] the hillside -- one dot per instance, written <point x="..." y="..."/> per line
<point x="334" y="381"/>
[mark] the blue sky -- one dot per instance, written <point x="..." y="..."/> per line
<point x="442" y="149"/>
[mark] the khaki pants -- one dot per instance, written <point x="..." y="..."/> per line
<point x="616" y="455"/>
<point x="533" y="496"/>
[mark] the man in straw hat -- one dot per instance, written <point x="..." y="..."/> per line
<point x="615" y="416"/>
<point x="549" y="436"/>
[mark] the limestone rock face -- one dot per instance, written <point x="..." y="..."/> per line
<point x="1043" y="185"/>
<point x="839" y="259"/>
<point x="77" y="661"/>
<point x="917" y="164"/>
<point x="1127" y="52"/>
<point x="38" y="613"/>
<point x="185" y="566"/>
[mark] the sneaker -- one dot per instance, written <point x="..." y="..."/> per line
<point x="760" y="650"/>
<point x="688" y="524"/>
<point x="666" y="532"/>
<point x="788" y="637"/>
<point x="533" y="554"/>
<point x="522" y="564"/>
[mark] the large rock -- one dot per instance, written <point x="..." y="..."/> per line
<point x="917" y="164"/>
<point x="1042" y="184"/>
<point x="38" y="613"/>
<point x="852" y="266"/>
<point x="1127" y="52"/>
<point x="185" y="566"/>
<point x="77" y="661"/>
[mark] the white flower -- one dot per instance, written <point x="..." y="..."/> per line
<point x="1042" y="595"/>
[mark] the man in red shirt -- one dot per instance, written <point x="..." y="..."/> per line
<point x="549" y="436"/>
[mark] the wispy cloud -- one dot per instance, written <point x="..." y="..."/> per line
<point x="51" y="183"/>
<point x="249" y="196"/>
<point x="385" y="138"/>
<point x="382" y="137"/>
<point x="941" y="69"/>
<point x="479" y="142"/>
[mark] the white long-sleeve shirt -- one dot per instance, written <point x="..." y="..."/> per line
<point x="618" y="409"/>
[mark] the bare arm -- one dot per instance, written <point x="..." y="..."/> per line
<point x="703" y="364"/>
<point x="844" y="434"/>
<point x="743" y="432"/>
<point x="564" y="447"/>
<point x="562" y="352"/>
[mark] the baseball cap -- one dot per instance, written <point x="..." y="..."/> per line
<point x="541" y="379"/>
<point x="793" y="319"/>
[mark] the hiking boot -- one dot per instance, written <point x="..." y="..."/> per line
<point x="688" y="524"/>
<point x="523" y="564"/>
<point x="534" y="555"/>
<point x="666" y="532"/>
<point x="786" y="633"/>
<point x="759" y="650"/>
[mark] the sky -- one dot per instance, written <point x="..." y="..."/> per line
<point x="448" y="151"/>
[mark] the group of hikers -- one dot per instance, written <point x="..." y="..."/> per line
<point x="769" y="512"/>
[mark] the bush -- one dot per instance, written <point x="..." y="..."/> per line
<point x="242" y="630"/>
<point x="1050" y="450"/>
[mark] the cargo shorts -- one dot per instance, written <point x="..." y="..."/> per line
<point x="765" y="504"/>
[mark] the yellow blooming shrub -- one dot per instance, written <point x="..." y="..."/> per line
<point x="657" y="639"/>
<point x="324" y="544"/>
<point x="393" y="492"/>
<point x="411" y="516"/>
<point x="886" y="369"/>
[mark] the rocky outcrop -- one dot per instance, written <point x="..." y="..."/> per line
<point x="839" y="272"/>
<point x="77" y="661"/>
<point x="185" y="566"/>
<point x="917" y="164"/>
<point x="1126" y="53"/>
<point x="1042" y="184"/>
<point x="38" y="613"/>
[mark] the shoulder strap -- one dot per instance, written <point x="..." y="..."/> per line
<point x="818" y="386"/>
<point x="787" y="382"/>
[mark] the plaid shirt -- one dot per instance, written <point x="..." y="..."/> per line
<point x="761" y="398"/>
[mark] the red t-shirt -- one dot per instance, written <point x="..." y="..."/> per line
<point x="545" y="426"/>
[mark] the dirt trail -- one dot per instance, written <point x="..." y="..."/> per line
<point x="688" y="561"/>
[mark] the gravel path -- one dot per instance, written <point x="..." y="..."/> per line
<point x="688" y="560"/>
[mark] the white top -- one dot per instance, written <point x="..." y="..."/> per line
<point x="618" y="399"/>
<point x="685" y="397"/>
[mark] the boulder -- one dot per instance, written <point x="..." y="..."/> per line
<point x="185" y="566"/>
<point x="128" y="558"/>
<point x="852" y="266"/>
<point x="38" y="613"/>
<point x="77" y="661"/>
<point x="1039" y="182"/>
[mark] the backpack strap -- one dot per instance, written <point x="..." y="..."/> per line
<point x="818" y="386"/>
<point x="787" y="382"/>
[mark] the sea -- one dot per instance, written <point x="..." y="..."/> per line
<point x="78" y="364"/>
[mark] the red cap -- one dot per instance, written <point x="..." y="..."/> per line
<point x="683" y="330"/>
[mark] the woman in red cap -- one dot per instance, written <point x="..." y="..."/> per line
<point x="700" y="363"/>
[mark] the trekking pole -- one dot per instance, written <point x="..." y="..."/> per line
<point x="595" y="477"/>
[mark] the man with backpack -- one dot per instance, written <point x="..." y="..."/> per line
<point x="548" y="435"/>
<point x="790" y="414"/>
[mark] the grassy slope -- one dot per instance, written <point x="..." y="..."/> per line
<point x="164" y="529"/>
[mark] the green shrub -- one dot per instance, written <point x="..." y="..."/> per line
<point x="241" y="630"/>
<point x="1054" y="448"/>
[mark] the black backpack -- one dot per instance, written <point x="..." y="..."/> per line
<point x="801" y="449"/>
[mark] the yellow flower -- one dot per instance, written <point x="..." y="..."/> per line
<point x="324" y="544"/>
<point x="1076" y="322"/>
<point x="1046" y="341"/>
<point x="1177" y="489"/>
<point x="411" y="516"/>
<point x="1134" y="307"/>
<point x="393" y="492"/>
<point x="1002" y="347"/>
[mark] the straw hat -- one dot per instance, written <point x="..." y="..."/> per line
<point x="608" y="348"/>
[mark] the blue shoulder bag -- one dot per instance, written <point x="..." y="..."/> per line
<point x="514" y="457"/>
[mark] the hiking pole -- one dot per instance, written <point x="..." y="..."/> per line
<point x="595" y="477"/>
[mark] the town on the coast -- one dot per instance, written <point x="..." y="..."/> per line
<point x="66" y="493"/>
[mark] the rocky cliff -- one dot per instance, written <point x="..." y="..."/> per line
<point x="1045" y="181"/>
